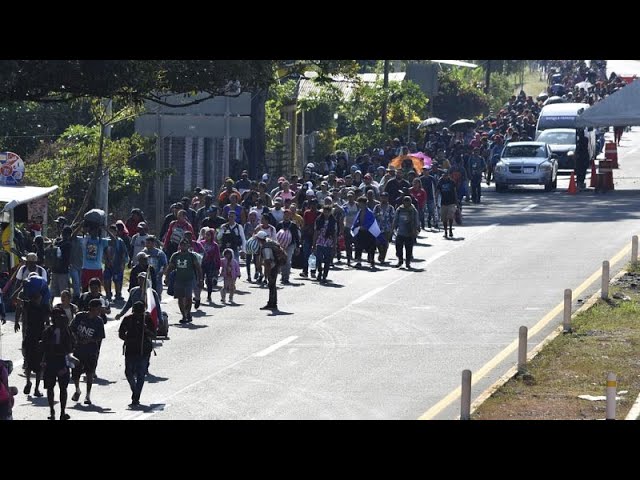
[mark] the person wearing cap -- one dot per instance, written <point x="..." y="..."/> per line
<point x="270" y="268"/>
<point x="137" y="294"/>
<point x="244" y="183"/>
<point x="135" y="217"/>
<point x="157" y="259"/>
<point x="213" y="220"/>
<point x="137" y="332"/>
<point x="138" y="242"/>
<point x="88" y="331"/>
<point x="201" y="214"/>
<point x="187" y="270"/>
<point x="142" y="265"/>
<point x="60" y="224"/>
<point x="170" y="217"/>
<point x="57" y="343"/>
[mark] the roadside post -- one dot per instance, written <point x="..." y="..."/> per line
<point x="465" y="397"/>
<point x="634" y="250"/>
<point x="566" y="323"/>
<point x="612" y="385"/>
<point x="605" y="280"/>
<point x="522" y="350"/>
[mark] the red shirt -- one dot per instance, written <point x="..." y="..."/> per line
<point x="420" y="196"/>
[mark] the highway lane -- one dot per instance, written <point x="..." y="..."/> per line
<point x="377" y="345"/>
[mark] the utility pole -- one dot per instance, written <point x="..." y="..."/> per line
<point x="487" y="76"/>
<point x="385" y="87"/>
<point x="102" y="190"/>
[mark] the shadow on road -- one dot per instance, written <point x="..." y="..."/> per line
<point x="151" y="378"/>
<point x="276" y="313"/>
<point x="91" y="408"/>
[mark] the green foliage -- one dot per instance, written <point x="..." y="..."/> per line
<point x="459" y="96"/>
<point x="136" y="80"/>
<point x="73" y="159"/>
<point x="325" y="143"/>
<point x="275" y="126"/>
<point x="499" y="91"/>
<point x="360" y="125"/>
<point x="25" y="126"/>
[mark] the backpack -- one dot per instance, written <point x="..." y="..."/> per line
<point x="230" y="239"/>
<point x="279" y="254"/>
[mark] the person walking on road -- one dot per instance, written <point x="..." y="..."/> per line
<point x="88" y="331"/>
<point x="57" y="343"/>
<point x="447" y="189"/>
<point x="324" y="242"/>
<point x="138" y="333"/>
<point x="407" y="223"/>
<point x="270" y="268"/>
<point x="230" y="271"/>
<point x="187" y="269"/>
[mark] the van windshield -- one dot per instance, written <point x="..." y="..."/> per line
<point x="557" y="138"/>
<point x="524" y="151"/>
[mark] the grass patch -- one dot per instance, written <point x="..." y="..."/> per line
<point x="532" y="84"/>
<point x="606" y="338"/>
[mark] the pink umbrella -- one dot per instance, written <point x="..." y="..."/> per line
<point x="425" y="158"/>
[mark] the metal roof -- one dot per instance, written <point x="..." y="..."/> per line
<point x="14" y="196"/>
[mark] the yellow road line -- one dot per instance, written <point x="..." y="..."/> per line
<point x="509" y="349"/>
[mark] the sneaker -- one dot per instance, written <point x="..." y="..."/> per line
<point x="87" y="401"/>
<point x="37" y="393"/>
<point x="266" y="307"/>
<point x="399" y="264"/>
<point x="313" y="274"/>
<point x="76" y="396"/>
<point x="256" y="275"/>
<point x="209" y="299"/>
<point x="183" y="320"/>
<point x="196" y="303"/>
<point x="27" y="388"/>
<point x="304" y="274"/>
<point x="285" y="282"/>
<point x="451" y="233"/>
<point x="189" y="319"/>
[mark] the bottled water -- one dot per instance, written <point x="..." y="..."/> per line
<point x="312" y="262"/>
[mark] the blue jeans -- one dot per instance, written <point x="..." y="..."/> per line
<point x="135" y="370"/>
<point x="323" y="259"/>
<point x="74" y="273"/>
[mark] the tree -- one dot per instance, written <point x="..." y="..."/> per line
<point x="459" y="97"/>
<point x="134" y="81"/>
<point x="73" y="158"/>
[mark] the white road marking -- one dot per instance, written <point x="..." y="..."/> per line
<point x="533" y="308"/>
<point x="274" y="347"/>
<point x="369" y="294"/>
<point x="530" y="207"/>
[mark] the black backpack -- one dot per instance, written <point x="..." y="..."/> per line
<point x="230" y="239"/>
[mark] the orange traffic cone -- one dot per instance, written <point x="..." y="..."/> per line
<point x="572" y="184"/>
<point x="594" y="174"/>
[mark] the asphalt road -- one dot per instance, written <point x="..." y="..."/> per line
<point x="389" y="344"/>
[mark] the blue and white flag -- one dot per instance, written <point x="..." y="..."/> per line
<point x="370" y="223"/>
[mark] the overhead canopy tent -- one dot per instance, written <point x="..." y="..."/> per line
<point x="13" y="196"/>
<point x="620" y="109"/>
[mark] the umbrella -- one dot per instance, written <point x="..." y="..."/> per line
<point x="462" y="124"/>
<point x="586" y="85"/>
<point x="430" y="121"/>
<point x="543" y="96"/>
<point x="426" y="159"/>
<point x="552" y="100"/>
<point x="417" y="163"/>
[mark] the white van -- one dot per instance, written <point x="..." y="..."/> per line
<point x="563" y="115"/>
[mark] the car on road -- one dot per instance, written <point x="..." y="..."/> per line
<point x="562" y="142"/>
<point x="527" y="163"/>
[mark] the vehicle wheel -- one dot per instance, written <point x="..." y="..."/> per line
<point x="500" y="187"/>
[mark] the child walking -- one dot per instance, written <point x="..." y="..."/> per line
<point x="230" y="271"/>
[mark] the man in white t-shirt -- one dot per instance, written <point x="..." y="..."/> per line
<point x="29" y="267"/>
<point x="138" y="243"/>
